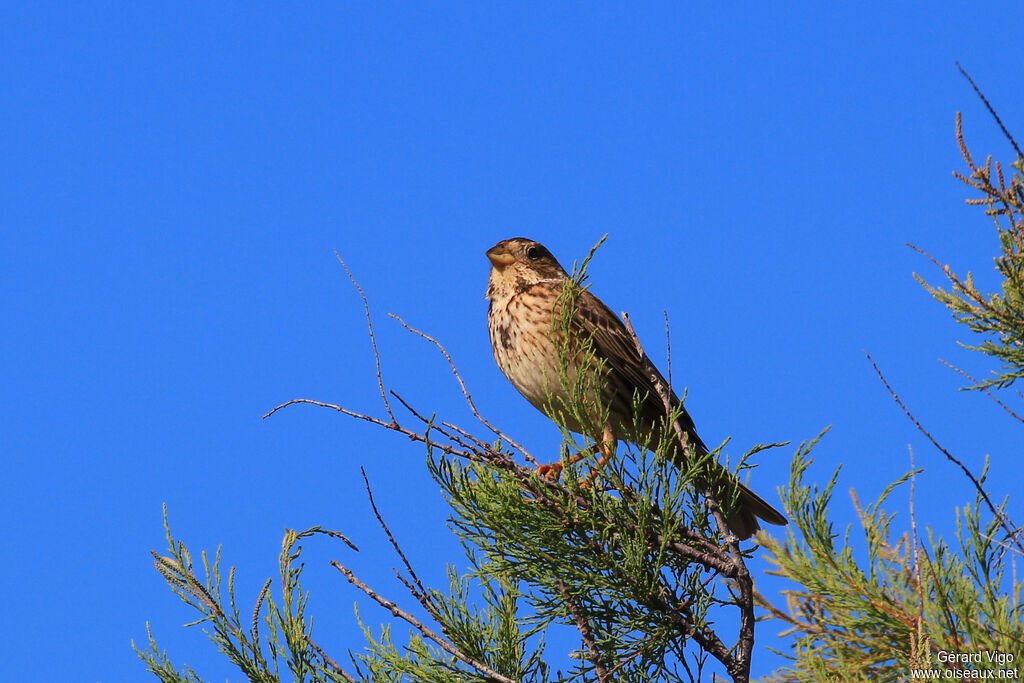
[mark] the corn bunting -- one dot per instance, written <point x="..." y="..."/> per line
<point x="561" y="347"/>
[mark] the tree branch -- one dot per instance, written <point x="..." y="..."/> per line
<point x="465" y="391"/>
<point x="335" y="667"/>
<point x="419" y="626"/>
<point x="594" y="655"/>
<point x="418" y="591"/>
<point x="373" y="339"/>
<point x="1004" y="521"/>
<point x="979" y="385"/>
<point x="991" y="110"/>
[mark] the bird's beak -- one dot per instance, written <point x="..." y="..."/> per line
<point x="500" y="259"/>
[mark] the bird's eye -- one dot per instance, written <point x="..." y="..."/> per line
<point x="535" y="252"/>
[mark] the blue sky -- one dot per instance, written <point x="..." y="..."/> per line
<point x="178" y="177"/>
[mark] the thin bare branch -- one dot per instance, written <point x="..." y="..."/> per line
<point x="373" y="339"/>
<point x="476" y="442"/>
<point x="420" y="593"/>
<point x="979" y="385"/>
<point x="991" y="109"/>
<point x="668" y="350"/>
<point x="460" y="437"/>
<point x="465" y="391"/>
<point x="393" y="426"/>
<point x="420" y="626"/>
<point x="1004" y="521"/>
<point x="428" y="422"/>
<point x="974" y="295"/>
<point x="335" y="667"/>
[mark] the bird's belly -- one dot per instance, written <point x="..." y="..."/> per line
<point x="529" y="359"/>
<point x="531" y="364"/>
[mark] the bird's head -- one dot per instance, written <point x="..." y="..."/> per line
<point x="519" y="263"/>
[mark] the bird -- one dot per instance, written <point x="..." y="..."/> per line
<point x="571" y="357"/>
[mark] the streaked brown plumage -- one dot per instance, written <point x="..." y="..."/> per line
<point x="524" y="290"/>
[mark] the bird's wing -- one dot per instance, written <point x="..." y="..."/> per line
<point x="614" y="344"/>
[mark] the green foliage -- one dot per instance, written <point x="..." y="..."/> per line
<point x="622" y="560"/>
<point x="583" y="408"/>
<point x="285" y="642"/>
<point x="879" y="619"/>
<point x="999" y="317"/>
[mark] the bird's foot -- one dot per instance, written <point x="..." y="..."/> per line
<point x="552" y="471"/>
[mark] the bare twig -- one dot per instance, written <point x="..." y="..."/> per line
<point x="420" y="626"/>
<point x="431" y="426"/>
<point x="423" y="596"/>
<point x="991" y="109"/>
<point x="593" y="654"/>
<point x="330" y="662"/>
<point x="476" y="442"/>
<point x="393" y="426"/>
<point x="373" y="339"/>
<point x="460" y="437"/>
<point x="1011" y="531"/>
<point x="668" y="350"/>
<point x="465" y="391"/>
<point x="958" y="284"/>
<point x="978" y="385"/>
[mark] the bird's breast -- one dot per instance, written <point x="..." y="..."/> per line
<point x="520" y="332"/>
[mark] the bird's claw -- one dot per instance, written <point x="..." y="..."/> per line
<point x="552" y="472"/>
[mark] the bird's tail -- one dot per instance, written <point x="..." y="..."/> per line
<point x="749" y="507"/>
